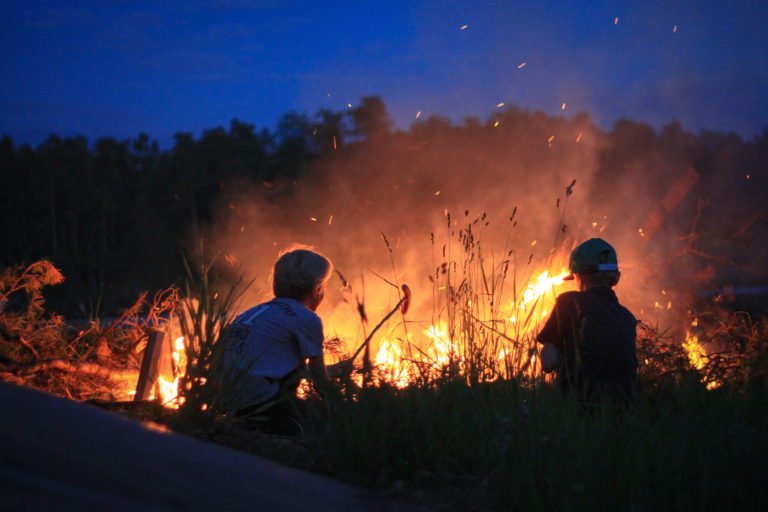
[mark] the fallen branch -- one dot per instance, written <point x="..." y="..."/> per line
<point x="402" y="305"/>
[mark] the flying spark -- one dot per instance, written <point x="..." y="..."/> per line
<point x="464" y="27"/>
<point x="521" y="66"/>
<point x="418" y="114"/>
<point x="500" y="104"/>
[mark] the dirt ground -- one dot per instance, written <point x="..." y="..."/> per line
<point x="58" y="454"/>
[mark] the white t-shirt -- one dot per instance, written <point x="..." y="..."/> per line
<point x="268" y="342"/>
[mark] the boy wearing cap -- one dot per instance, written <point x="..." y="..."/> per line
<point x="589" y="338"/>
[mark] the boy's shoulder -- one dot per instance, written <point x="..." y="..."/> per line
<point x="293" y="308"/>
<point x="278" y="309"/>
<point x="569" y="295"/>
<point x="594" y="300"/>
<point x="585" y="298"/>
<point x="567" y="298"/>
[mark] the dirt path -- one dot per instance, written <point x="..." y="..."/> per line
<point x="56" y="454"/>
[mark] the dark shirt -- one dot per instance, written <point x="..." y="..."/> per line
<point x="596" y="337"/>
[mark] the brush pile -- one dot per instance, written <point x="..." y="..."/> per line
<point x="88" y="360"/>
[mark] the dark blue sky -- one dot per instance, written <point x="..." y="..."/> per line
<point x="115" y="68"/>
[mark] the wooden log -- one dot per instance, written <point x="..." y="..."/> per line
<point x="150" y="370"/>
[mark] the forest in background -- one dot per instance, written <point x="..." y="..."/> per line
<point x="116" y="215"/>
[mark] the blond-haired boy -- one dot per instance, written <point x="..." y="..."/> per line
<point x="270" y="345"/>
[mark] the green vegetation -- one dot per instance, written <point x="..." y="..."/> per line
<point x="502" y="446"/>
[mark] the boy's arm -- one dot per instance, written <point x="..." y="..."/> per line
<point x="322" y="373"/>
<point x="340" y="369"/>
<point x="319" y="373"/>
<point x="550" y="357"/>
<point x="551" y="336"/>
<point x="316" y="367"/>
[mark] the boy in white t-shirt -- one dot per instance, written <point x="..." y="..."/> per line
<point x="270" y="346"/>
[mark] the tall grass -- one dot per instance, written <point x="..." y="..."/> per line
<point x="475" y="432"/>
<point x="480" y="330"/>
<point x="505" y="446"/>
<point x="208" y="306"/>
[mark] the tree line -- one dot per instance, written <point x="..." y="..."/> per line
<point x="116" y="215"/>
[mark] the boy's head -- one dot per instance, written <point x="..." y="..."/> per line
<point x="594" y="263"/>
<point x="301" y="274"/>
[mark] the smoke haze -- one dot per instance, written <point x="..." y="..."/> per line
<point x="407" y="185"/>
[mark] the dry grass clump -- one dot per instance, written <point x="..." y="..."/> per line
<point x="95" y="361"/>
<point x="205" y="391"/>
<point x="727" y="348"/>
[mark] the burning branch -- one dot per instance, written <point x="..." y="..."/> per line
<point x="403" y="304"/>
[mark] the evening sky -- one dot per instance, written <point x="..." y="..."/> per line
<point x="117" y="68"/>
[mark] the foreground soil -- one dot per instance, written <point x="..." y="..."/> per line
<point x="62" y="455"/>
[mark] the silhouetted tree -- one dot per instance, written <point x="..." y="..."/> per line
<point x="370" y="119"/>
<point x="115" y="216"/>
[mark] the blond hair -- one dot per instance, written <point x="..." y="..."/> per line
<point x="298" y="271"/>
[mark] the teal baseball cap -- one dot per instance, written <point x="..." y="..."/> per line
<point x="594" y="255"/>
